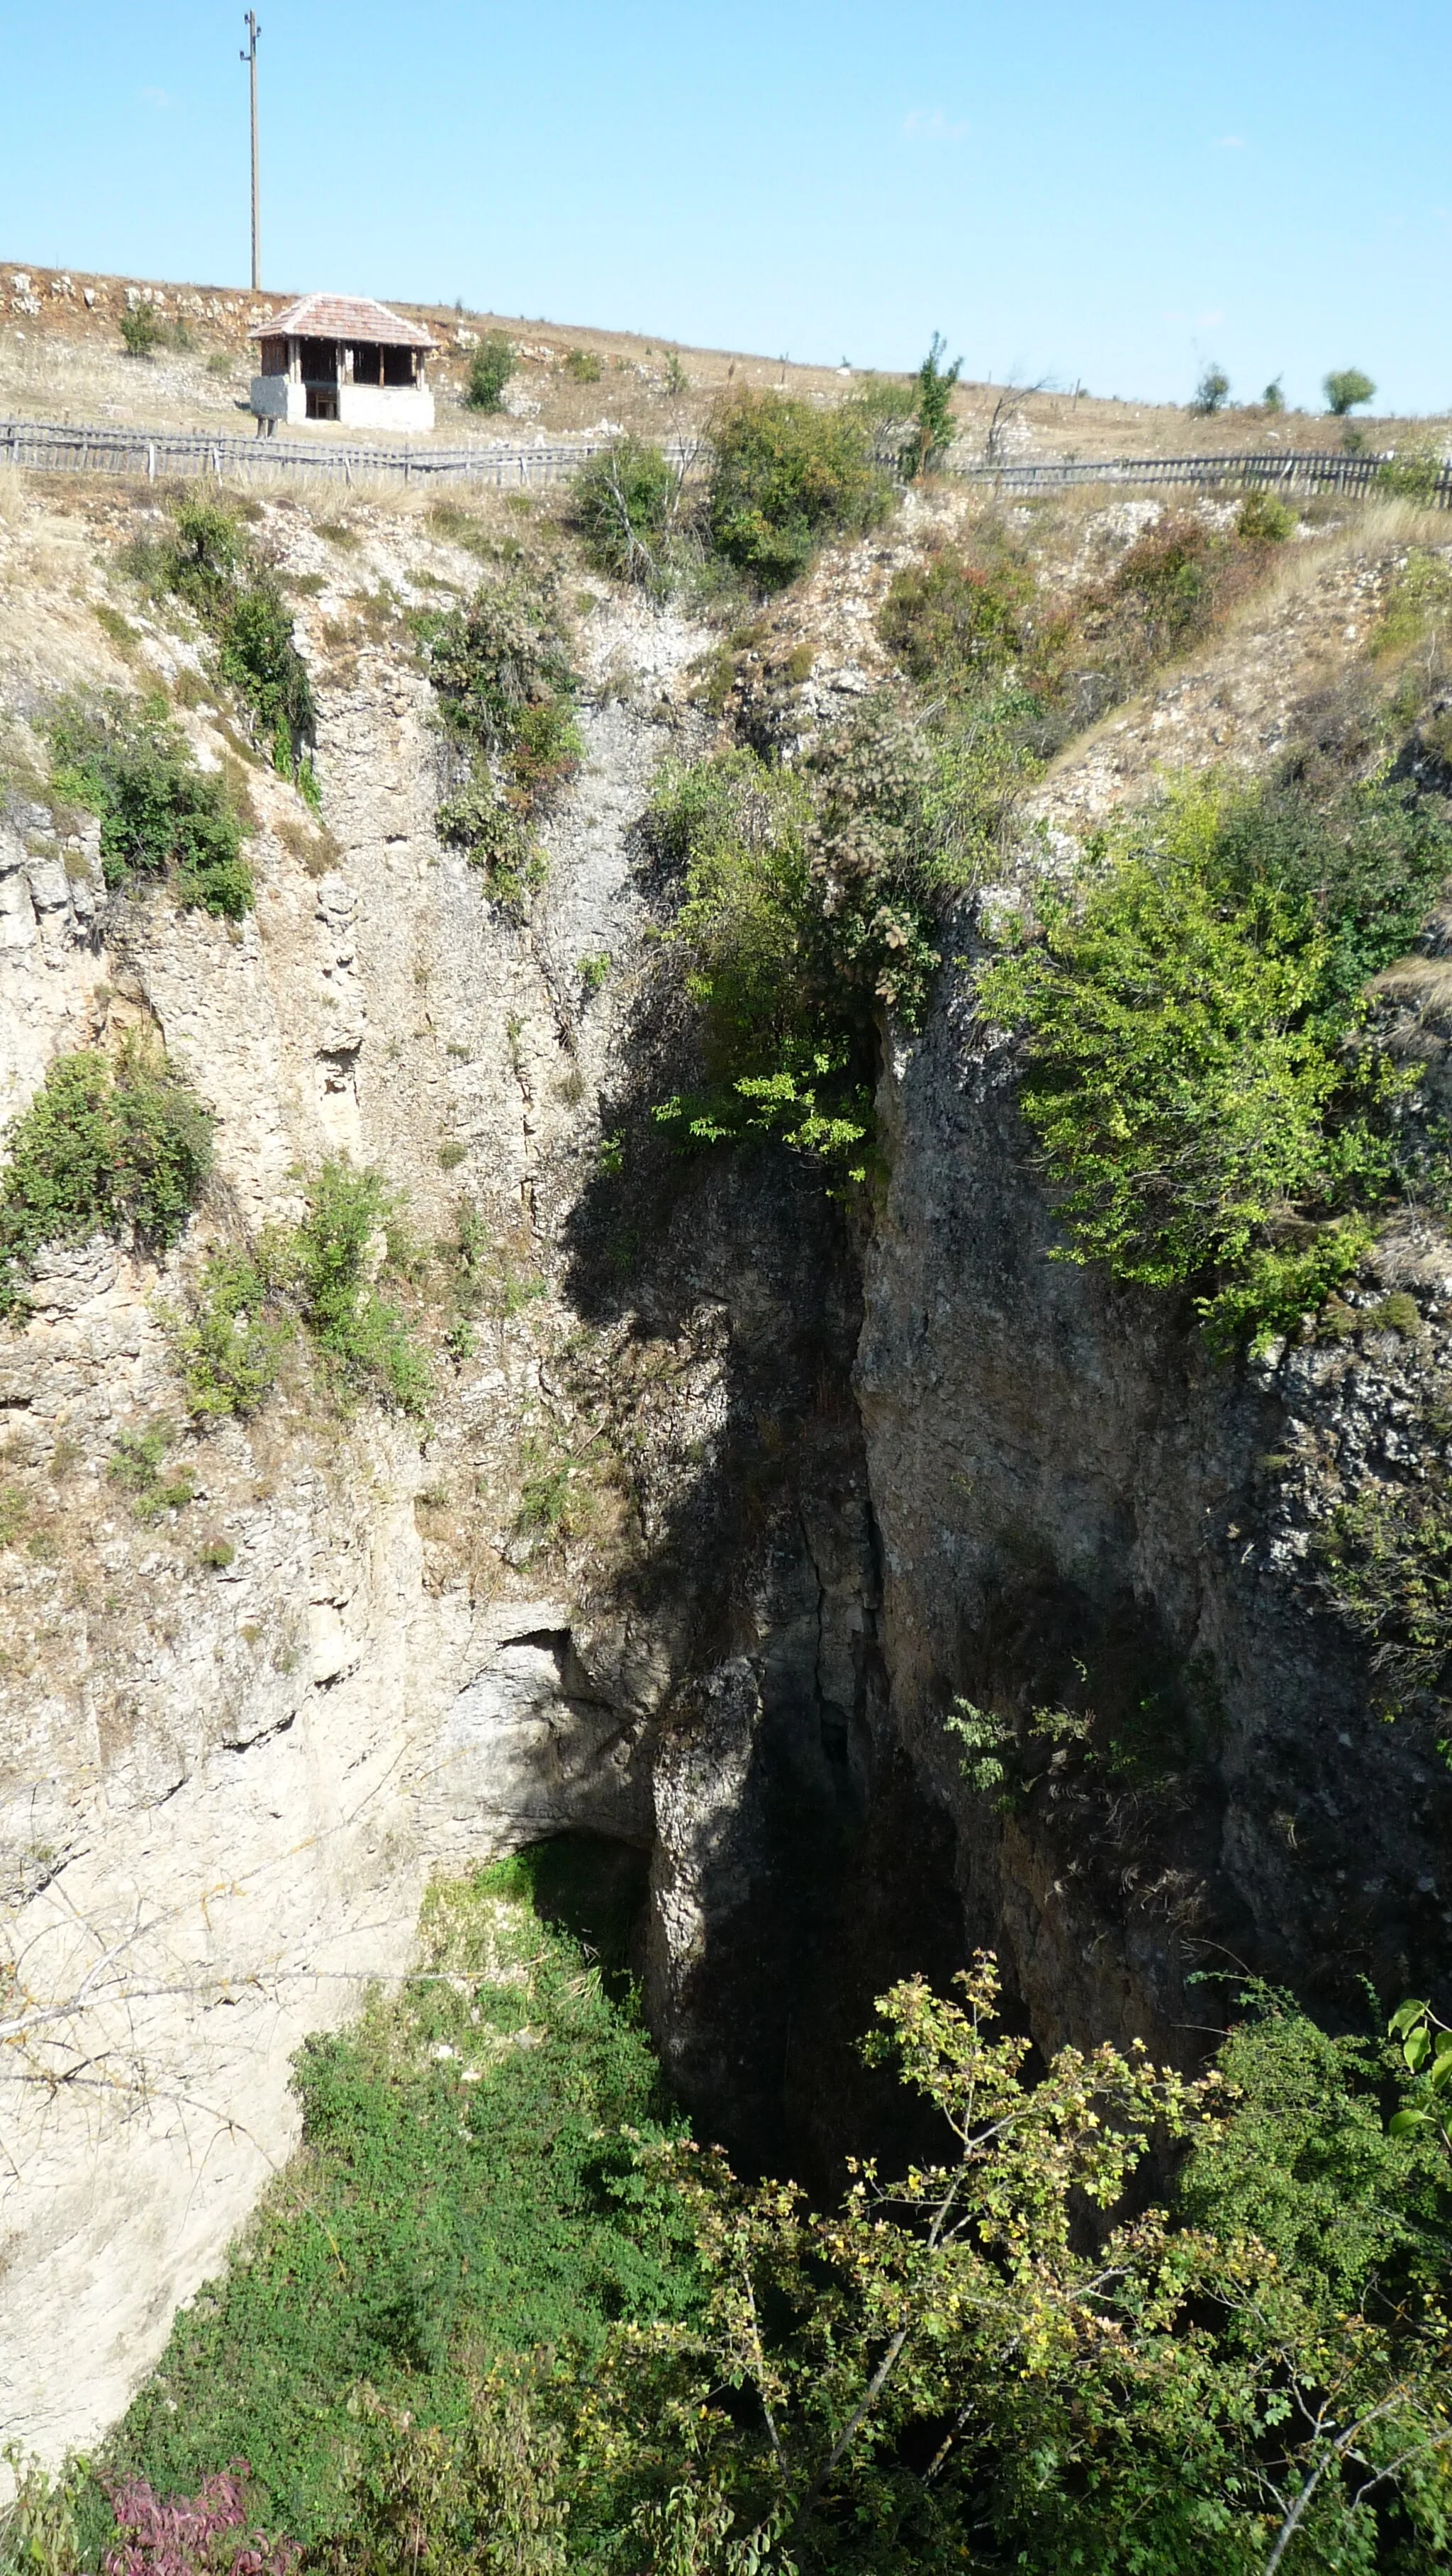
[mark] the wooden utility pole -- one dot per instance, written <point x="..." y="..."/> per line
<point x="249" y="57"/>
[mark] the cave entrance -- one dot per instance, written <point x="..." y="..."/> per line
<point x="596" y="1890"/>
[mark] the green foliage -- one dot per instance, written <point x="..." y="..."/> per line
<point x="1413" y="476"/>
<point x="1425" y="2041"/>
<point x="809" y="905"/>
<point x="39" y="2534"/>
<point x="138" y="1465"/>
<point x="628" y="510"/>
<point x="141" y="332"/>
<point x="119" y="1148"/>
<point x="1211" y="393"/>
<point x="965" y="625"/>
<point x="1273" y="398"/>
<point x="954" y="2367"/>
<point x="230" y="1340"/>
<point x="258" y="658"/>
<point x="953" y="625"/>
<point x="160" y="816"/>
<point x="505" y="689"/>
<point x="327" y="1265"/>
<point x="1384" y="1561"/>
<point x="1307" y="2165"/>
<point x="497" y="2317"/>
<point x="468" y="2187"/>
<point x="785" y="476"/>
<point x="934" y="414"/>
<point x="1168" y="587"/>
<point x="1197" y="1071"/>
<point x="583" y="366"/>
<point x="1344" y="388"/>
<point x="1263" y="520"/>
<point x="205" y="559"/>
<point x="490" y="367"/>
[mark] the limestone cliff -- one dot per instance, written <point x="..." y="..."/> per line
<point x="833" y="1469"/>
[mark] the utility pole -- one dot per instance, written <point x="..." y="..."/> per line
<point x="249" y="57"/>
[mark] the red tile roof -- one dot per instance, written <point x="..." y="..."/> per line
<point x="345" y="317"/>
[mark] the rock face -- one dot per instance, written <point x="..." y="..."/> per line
<point x="234" y="1739"/>
<point x="1076" y="1503"/>
<point x="797" y="1485"/>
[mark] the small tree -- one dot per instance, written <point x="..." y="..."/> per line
<point x="1210" y="393"/>
<point x="934" y="409"/>
<point x="626" y="505"/>
<point x="141" y="332"/>
<point x="1345" y="388"/>
<point x="490" y="369"/>
<point x="1273" y="399"/>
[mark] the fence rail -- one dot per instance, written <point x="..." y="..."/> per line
<point x="53" y="447"/>
<point x="1324" y="471"/>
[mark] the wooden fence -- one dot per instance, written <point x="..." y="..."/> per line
<point x="50" y="447"/>
<point x="1283" y="471"/>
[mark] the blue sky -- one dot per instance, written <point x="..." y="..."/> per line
<point x="1115" y="193"/>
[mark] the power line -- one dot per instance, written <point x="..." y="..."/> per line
<point x="249" y="57"/>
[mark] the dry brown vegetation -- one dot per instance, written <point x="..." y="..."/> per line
<point x="63" y="360"/>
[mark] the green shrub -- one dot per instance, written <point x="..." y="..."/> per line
<point x="138" y="1465"/>
<point x="809" y="904"/>
<point x="122" y="1149"/>
<point x="141" y="332"/>
<point x="1211" y="393"/>
<point x="952" y="625"/>
<point x="934" y="410"/>
<point x="583" y="367"/>
<point x="160" y="815"/>
<point x="231" y="1337"/>
<point x="784" y="477"/>
<point x="1273" y="399"/>
<point x="1182" y="2401"/>
<point x="326" y="1266"/>
<point x="627" y="508"/>
<point x="1308" y="2164"/>
<point x="1415" y="476"/>
<point x="490" y="367"/>
<point x="499" y="2315"/>
<point x="206" y="560"/>
<point x="1344" y="388"/>
<point x="505" y="690"/>
<point x="1263" y="520"/>
<point x="1192" y="1016"/>
<point x="1179" y="579"/>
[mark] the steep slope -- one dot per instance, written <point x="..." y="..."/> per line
<point x="726" y="1492"/>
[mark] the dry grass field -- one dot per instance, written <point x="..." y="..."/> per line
<point x="61" y="358"/>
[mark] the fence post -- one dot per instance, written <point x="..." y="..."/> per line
<point x="151" y="460"/>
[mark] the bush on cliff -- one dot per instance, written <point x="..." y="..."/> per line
<point x="320" y="1274"/>
<point x="119" y="1147"/>
<point x="206" y="559"/>
<point x="505" y="689"/>
<point x="786" y="476"/>
<point x="161" y="817"/>
<point x="628" y="508"/>
<point x="1198" y="1068"/>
